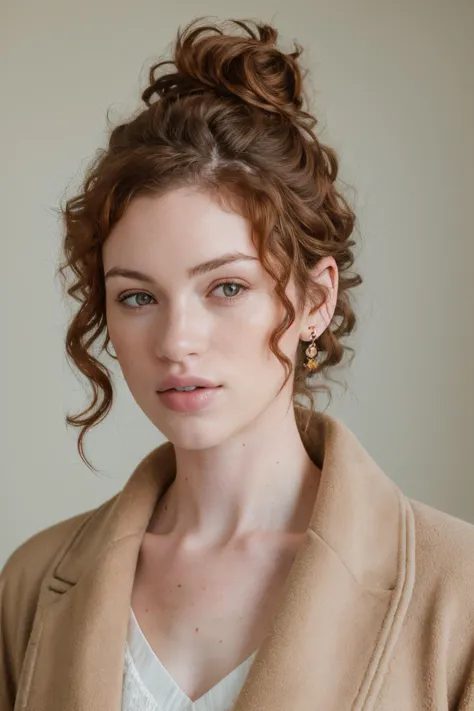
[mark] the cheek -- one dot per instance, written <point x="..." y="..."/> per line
<point x="287" y="344"/>
<point x="248" y="340"/>
<point x="127" y="330"/>
<point x="291" y="338"/>
<point x="120" y="340"/>
<point x="130" y="347"/>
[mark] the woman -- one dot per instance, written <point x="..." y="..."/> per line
<point x="259" y="559"/>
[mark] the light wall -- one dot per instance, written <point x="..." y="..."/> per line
<point x="392" y="88"/>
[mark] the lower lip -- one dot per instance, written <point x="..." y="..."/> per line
<point x="188" y="401"/>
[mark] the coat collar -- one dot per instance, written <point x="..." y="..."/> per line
<point x="334" y="630"/>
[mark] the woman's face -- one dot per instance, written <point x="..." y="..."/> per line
<point x="213" y="324"/>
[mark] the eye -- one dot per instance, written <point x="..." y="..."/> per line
<point x="242" y="288"/>
<point x="142" y="295"/>
<point x="123" y="298"/>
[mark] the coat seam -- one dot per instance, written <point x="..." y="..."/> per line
<point x="391" y="626"/>
<point x="31" y="655"/>
<point x="29" y="662"/>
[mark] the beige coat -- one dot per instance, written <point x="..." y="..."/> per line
<point x="378" y="611"/>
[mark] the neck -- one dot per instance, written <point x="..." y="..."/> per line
<point x="260" y="481"/>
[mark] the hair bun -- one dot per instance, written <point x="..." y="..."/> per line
<point x="207" y="59"/>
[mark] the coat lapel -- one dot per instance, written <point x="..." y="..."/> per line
<point x="75" y="655"/>
<point x="336" y="625"/>
<point x="347" y="592"/>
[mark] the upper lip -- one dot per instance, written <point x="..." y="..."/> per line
<point x="172" y="381"/>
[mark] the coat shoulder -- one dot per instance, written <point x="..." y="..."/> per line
<point x="30" y="563"/>
<point x="35" y="554"/>
<point x="444" y="549"/>
<point x="21" y="578"/>
<point x="441" y="528"/>
<point x="27" y="567"/>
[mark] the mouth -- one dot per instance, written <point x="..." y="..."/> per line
<point x="195" y="387"/>
<point x="189" y="400"/>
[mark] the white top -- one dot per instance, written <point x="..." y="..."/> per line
<point x="147" y="685"/>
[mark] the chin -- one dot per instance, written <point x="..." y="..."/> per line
<point x="195" y="441"/>
<point x="190" y="432"/>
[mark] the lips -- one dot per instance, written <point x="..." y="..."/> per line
<point x="189" y="400"/>
<point x="174" y="381"/>
<point x="196" y="387"/>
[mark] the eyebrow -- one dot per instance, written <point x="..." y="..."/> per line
<point x="199" y="269"/>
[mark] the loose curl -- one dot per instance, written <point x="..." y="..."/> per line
<point x="228" y="119"/>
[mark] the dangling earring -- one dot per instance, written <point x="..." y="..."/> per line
<point x="311" y="363"/>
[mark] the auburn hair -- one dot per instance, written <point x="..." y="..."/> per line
<point x="228" y="118"/>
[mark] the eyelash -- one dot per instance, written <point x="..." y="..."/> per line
<point x="243" y="288"/>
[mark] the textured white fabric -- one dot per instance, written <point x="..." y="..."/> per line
<point x="147" y="685"/>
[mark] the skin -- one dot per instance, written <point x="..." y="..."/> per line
<point x="242" y="469"/>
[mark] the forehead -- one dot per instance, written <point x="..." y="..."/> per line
<point x="182" y="219"/>
<point x="167" y="237"/>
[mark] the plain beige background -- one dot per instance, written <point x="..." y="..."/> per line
<point x="392" y="86"/>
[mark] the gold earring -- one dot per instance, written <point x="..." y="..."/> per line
<point x="311" y="363"/>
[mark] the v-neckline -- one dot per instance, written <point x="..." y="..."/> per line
<point x="157" y="678"/>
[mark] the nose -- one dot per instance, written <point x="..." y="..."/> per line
<point x="180" y="335"/>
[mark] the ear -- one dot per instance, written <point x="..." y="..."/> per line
<point x="325" y="273"/>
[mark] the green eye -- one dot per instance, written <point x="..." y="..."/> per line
<point x="144" y="299"/>
<point x="241" y="289"/>
<point x="138" y="294"/>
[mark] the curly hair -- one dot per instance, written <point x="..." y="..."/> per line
<point x="227" y="119"/>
